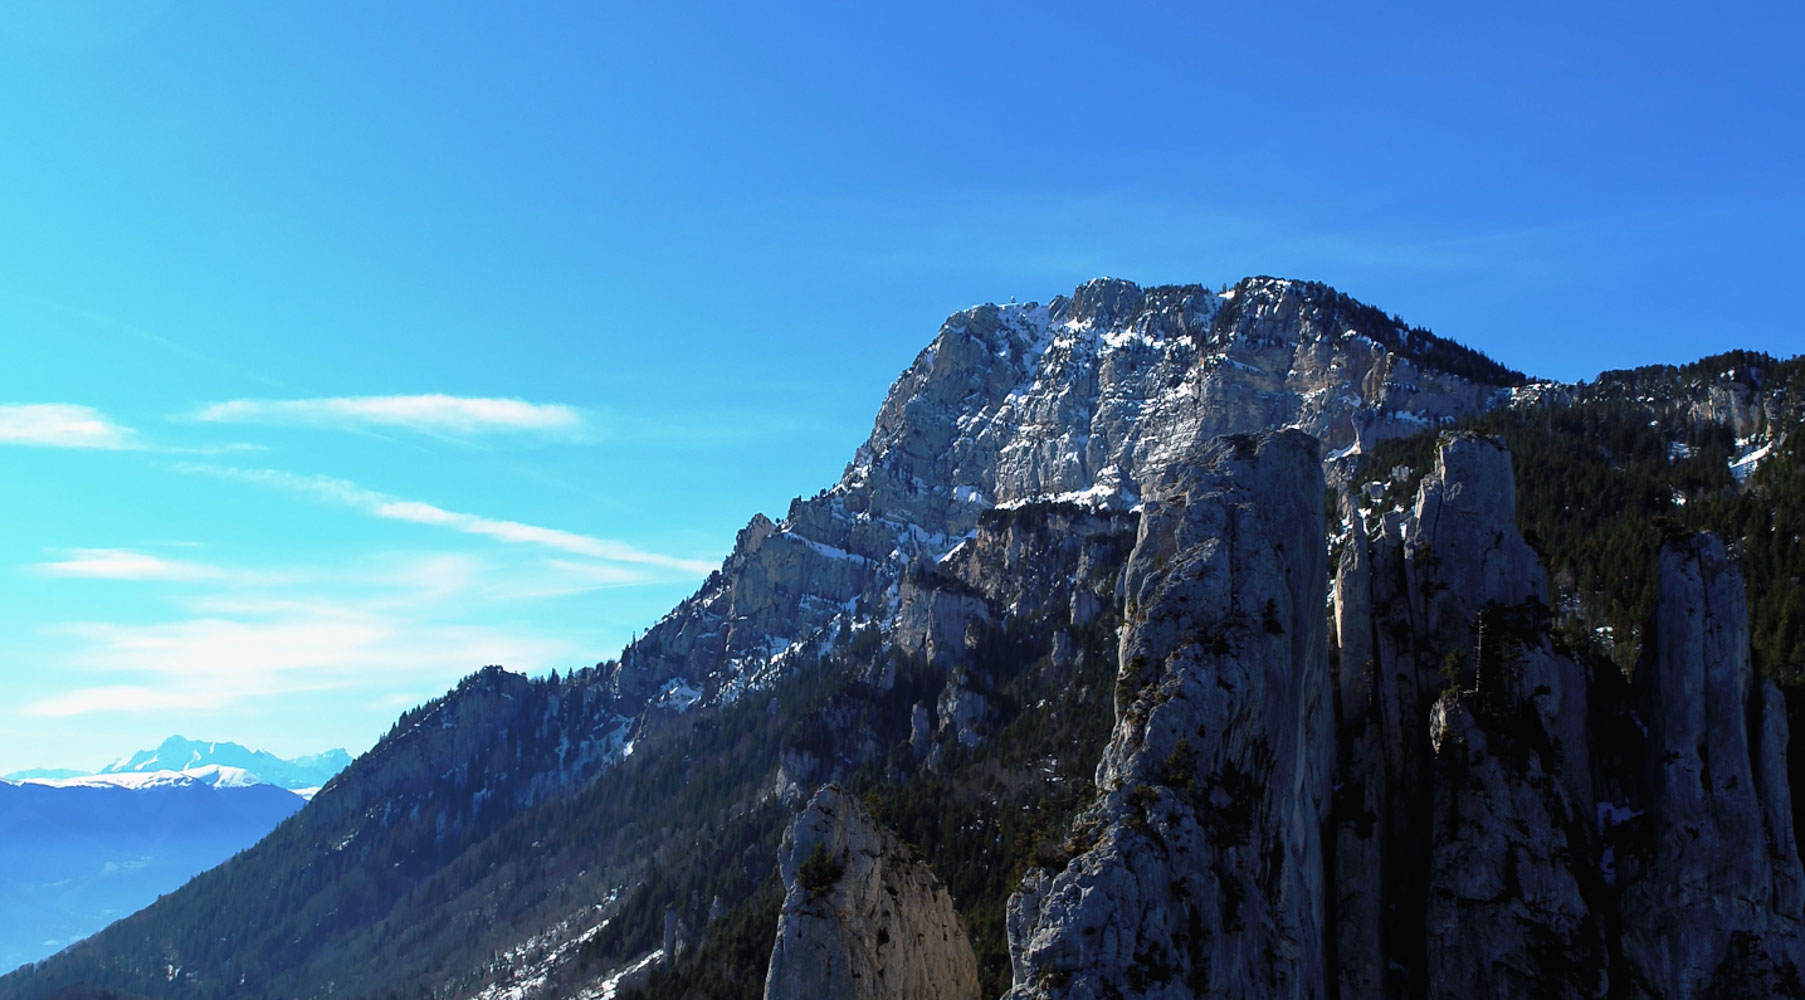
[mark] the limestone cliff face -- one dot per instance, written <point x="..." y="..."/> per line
<point x="1480" y="843"/>
<point x="1201" y="868"/>
<point x="1040" y="580"/>
<point x="1514" y="905"/>
<point x="1088" y="398"/>
<point x="1462" y="843"/>
<point x="1484" y="846"/>
<point x="1716" y="903"/>
<point x="1463" y="548"/>
<point x="862" y="919"/>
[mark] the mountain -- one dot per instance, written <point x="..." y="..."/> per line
<point x="208" y="775"/>
<point x="82" y="852"/>
<point x="179" y="754"/>
<point x="1082" y="399"/>
<point x="1245" y="642"/>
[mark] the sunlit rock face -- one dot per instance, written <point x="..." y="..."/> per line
<point x="1203" y="869"/>
<point x="862" y="919"/>
<point x="1086" y="399"/>
<point x="1447" y="757"/>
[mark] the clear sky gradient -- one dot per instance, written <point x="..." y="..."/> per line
<point x="350" y="346"/>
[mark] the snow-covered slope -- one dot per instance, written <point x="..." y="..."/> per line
<point x="209" y="775"/>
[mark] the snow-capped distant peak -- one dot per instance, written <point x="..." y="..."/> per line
<point x="212" y="775"/>
<point x="180" y="754"/>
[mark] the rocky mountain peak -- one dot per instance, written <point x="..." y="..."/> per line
<point x="1103" y="302"/>
<point x="1088" y="399"/>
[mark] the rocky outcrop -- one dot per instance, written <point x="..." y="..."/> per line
<point x="1715" y="906"/>
<point x="1463" y="548"/>
<point x="1200" y="868"/>
<point x="1509" y="838"/>
<point x="933" y="619"/>
<point x="777" y="586"/>
<point x="861" y="918"/>
<point x="1085" y="399"/>
<point x="1461" y="838"/>
<point x="962" y="710"/>
<point x="1514" y="901"/>
<point x="1470" y="837"/>
<point x="1046" y="560"/>
<point x="1360" y="800"/>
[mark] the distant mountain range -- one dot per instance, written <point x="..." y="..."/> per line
<point x="84" y="849"/>
<point x="179" y="753"/>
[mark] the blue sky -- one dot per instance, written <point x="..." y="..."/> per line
<point x="351" y="347"/>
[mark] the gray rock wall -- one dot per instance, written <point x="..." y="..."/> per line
<point x="1461" y="821"/>
<point x="1468" y="827"/>
<point x="1429" y="818"/>
<point x="1204" y="869"/>
<point x="1716" y="905"/>
<point x="1090" y="397"/>
<point x="874" y="924"/>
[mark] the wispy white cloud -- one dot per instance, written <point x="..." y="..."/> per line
<point x="343" y="492"/>
<point x="429" y="413"/>
<point x="115" y="698"/>
<point x="532" y="534"/>
<point x="127" y="564"/>
<point x="249" y="638"/>
<point x="62" y="425"/>
<point x="212" y="663"/>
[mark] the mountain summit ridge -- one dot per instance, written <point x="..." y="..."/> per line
<point x="1082" y="398"/>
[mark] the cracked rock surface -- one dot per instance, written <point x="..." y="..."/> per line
<point x="862" y="919"/>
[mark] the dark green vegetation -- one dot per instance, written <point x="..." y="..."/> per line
<point x="1635" y="458"/>
<point x="818" y="873"/>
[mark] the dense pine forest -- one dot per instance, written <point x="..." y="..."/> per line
<point x="1603" y="476"/>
